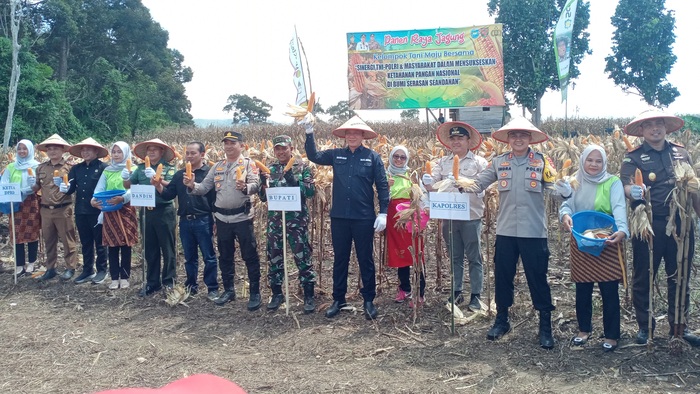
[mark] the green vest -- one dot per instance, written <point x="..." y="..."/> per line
<point x="113" y="180"/>
<point x="400" y="189"/>
<point x="15" y="175"/>
<point x="602" y="196"/>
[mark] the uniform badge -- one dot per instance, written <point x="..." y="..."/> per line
<point x="218" y="185"/>
<point x="217" y="178"/>
<point x="652" y="176"/>
<point x="535" y="163"/>
<point x="219" y="168"/>
<point x="533" y="175"/>
<point x="504" y="174"/>
<point x="533" y="184"/>
<point x="504" y="183"/>
<point x="505" y="164"/>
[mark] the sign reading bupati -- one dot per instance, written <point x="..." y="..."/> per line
<point x="10" y="192"/>
<point x="143" y="196"/>
<point x="451" y="206"/>
<point x="435" y="68"/>
<point x="283" y="199"/>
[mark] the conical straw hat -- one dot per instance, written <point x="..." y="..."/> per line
<point x="355" y="123"/>
<point x="522" y="124"/>
<point x="53" y="140"/>
<point x="75" y="149"/>
<point x="673" y="123"/>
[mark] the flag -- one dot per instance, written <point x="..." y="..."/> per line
<point x="562" y="39"/>
<point x="298" y="77"/>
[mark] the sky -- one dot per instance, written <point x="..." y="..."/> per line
<point x="241" y="47"/>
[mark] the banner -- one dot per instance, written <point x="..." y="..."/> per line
<point x="298" y="76"/>
<point x="562" y="38"/>
<point x="435" y="68"/>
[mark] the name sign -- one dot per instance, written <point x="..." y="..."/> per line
<point x="451" y="206"/>
<point x="283" y="199"/>
<point x="10" y="192"/>
<point x="143" y="196"/>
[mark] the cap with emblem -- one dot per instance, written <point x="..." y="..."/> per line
<point x="282" y="140"/>
<point x="232" y="136"/>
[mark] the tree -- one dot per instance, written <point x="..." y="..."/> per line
<point x="530" y="69"/>
<point x="642" y="50"/>
<point x="409" y="114"/>
<point x="243" y="106"/>
<point x="340" y="112"/>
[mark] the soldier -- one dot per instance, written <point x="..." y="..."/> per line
<point x="655" y="158"/>
<point x="234" y="179"/>
<point x="300" y="175"/>
<point x="158" y="232"/>
<point x="56" y="208"/>
<point x="82" y="180"/>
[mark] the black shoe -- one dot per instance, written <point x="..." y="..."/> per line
<point x="474" y="303"/>
<point x="49" y="274"/>
<point x="213" y="295"/>
<point x="254" y="302"/>
<point x="370" y="310"/>
<point x="99" y="277"/>
<point x="84" y="277"/>
<point x="225" y="297"/>
<point x="309" y="305"/>
<point x="546" y="339"/>
<point x="608" y="347"/>
<point x="335" y="308"/>
<point x="500" y="327"/>
<point x="642" y="336"/>
<point x="67" y="274"/>
<point x="457" y="297"/>
<point x="275" y="302"/>
<point x="148" y="290"/>
<point x="689" y="337"/>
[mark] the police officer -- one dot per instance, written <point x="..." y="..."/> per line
<point x="196" y="221"/>
<point x="655" y="158"/>
<point x="356" y="169"/>
<point x="159" y="230"/>
<point x="83" y="178"/>
<point x="463" y="237"/>
<point x="523" y="175"/>
<point x="297" y="223"/>
<point x="234" y="179"/>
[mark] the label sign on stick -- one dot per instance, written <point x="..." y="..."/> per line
<point x="283" y="199"/>
<point x="143" y="196"/>
<point x="451" y="206"/>
<point x="10" y="192"/>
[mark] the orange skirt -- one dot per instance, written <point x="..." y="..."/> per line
<point x="588" y="268"/>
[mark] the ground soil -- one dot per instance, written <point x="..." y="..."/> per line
<point x="65" y="338"/>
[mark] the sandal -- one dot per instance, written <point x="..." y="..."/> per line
<point x="580" y="341"/>
<point x="609" y="347"/>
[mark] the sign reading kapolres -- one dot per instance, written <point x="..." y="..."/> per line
<point x="438" y="68"/>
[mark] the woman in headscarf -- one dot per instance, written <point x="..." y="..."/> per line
<point x="598" y="191"/>
<point x="399" y="240"/>
<point x="27" y="223"/>
<point x="120" y="227"/>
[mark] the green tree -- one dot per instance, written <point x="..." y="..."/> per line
<point x="642" y="50"/>
<point x="340" y="112"/>
<point x="530" y="68"/>
<point x="409" y="114"/>
<point x="244" y="106"/>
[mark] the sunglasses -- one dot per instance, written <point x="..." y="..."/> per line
<point x="397" y="157"/>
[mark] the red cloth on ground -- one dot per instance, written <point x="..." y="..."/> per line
<point x="195" y="384"/>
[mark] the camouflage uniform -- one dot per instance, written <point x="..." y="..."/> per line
<point x="297" y="224"/>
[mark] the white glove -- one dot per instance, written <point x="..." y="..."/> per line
<point x="31" y="181"/>
<point x="637" y="192"/>
<point x="428" y="179"/>
<point x="126" y="174"/>
<point x="380" y="223"/>
<point x="451" y="177"/>
<point x="57" y="180"/>
<point x="308" y="123"/>
<point x="150" y="172"/>
<point x="563" y="188"/>
<point x="63" y="188"/>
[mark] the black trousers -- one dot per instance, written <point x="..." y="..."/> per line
<point x="90" y="233"/>
<point x="404" y="274"/>
<point x="534" y="253"/>
<point x="21" y="256"/>
<point x="159" y="239"/>
<point x="343" y="233"/>
<point x="611" y="307"/>
<point x="665" y="248"/>
<point x="226" y="236"/>
<point x="119" y="269"/>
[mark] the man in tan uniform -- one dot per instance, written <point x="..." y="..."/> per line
<point x="56" y="208"/>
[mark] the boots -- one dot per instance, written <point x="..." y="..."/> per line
<point x="277" y="298"/>
<point x="309" y="305"/>
<point x="546" y="340"/>
<point x="254" y="301"/>
<point x="501" y="326"/>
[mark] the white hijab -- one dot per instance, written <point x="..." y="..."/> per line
<point x="127" y="155"/>
<point x="394" y="169"/>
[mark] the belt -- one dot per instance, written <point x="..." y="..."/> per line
<point x="55" y="206"/>
<point x="193" y="217"/>
<point x="231" y="212"/>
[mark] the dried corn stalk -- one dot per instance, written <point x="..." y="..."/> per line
<point x="176" y="295"/>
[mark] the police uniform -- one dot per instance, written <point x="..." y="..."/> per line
<point x="522" y="228"/>
<point x="234" y="215"/>
<point x="660" y="164"/>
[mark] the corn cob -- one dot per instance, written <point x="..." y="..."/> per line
<point x="188" y="170"/>
<point x="485" y="47"/>
<point x="30" y="172"/>
<point x="159" y="171"/>
<point x="263" y="168"/>
<point x="455" y="167"/>
<point x="289" y="165"/>
<point x="147" y="162"/>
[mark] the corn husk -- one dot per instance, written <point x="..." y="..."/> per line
<point x="177" y="295"/>
<point x="640" y="226"/>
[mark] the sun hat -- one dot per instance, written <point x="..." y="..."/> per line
<point x="673" y="123"/>
<point x="446" y="130"/>
<point x="53" y="140"/>
<point x="520" y="124"/>
<point x="355" y="123"/>
<point x="89" y="142"/>
<point x="141" y="148"/>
